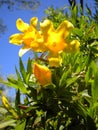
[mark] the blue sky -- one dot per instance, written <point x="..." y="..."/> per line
<point x="8" y="52"/>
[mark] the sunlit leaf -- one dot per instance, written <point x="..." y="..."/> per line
<point x="71" y="80"/>
<point x="18" y="74"/>
<point x="21" y="125"/>
<point x="3" y="110"/>
<point x="4" y="124"/>
<point x="64" y="77"/>
<point x="16" y="84"/>
<point x="95" y="86"/>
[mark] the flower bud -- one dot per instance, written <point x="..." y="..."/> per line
<point x="42" y="74"/>
<point x="5" y="102"/>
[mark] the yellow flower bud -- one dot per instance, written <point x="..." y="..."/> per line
<point x="55" y="61"/>
<point x="8" y="107"/>
<point x="73" y="46"/>
<point x="5" y="102"/>
<point x="42" y="74"/>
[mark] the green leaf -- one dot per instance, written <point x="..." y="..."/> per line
<point x="17" y="100"/>
<point x="21" y="125"/>
<point x="37" y="120"/>
<point x="29" y="66"/>
<point x="27" y="78"/>
<point x="88" y="75"/>
<point x="90" y="72"/>
<point x="71" y="80"/>
<point x="78" y="32"/>
<point x="80" y="109"/>
<point x="18" y="74"/>
<point x="4" y="124"/>
<point x="16" y="84"/>
<point x="95" y="87"/>
<point x="95" y="105"/>
<point x="22" y="70"/>
<point x="3" y="110"/>
<point x="32" y="92"/>
<point x="64" y="78"/>
<point x="74" y="14"/>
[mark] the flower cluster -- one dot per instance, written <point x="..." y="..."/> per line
<point x="45" y="39"/>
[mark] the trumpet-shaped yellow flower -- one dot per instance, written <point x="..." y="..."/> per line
<point x="42" y="74"/>
<point x="30" y="37"/>
<point x="55" y="39"/>
<point x="47" y="39"/>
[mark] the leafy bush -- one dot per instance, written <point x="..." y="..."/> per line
<point x="60" y="84"/>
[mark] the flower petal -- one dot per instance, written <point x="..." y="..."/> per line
<point x="46" y="26"/>
<point x="23" y="50"/>
<point x="21" y="25"/>
<point x="55" y="43"/>
<point x="64" y="28"/>
<point x="34" y="21"/>
<point x="16" y="39"/>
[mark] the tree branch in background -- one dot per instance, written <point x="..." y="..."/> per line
<point x="17" y="4"/>
<point x="81" y="3"/>
<point x="96" y="10"/>
<point x="72" y="3"/>
<point x="20" y="4"/>
<point x="3" y="27"/>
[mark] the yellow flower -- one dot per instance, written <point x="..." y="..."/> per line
<point x="30" y="37"/>
<point x="42" y="74"/>
<point x="55" y="39"/>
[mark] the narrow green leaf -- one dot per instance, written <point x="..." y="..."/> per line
<point x="78" y="32"/>
<point x="88" y="75"/>
<point x="80" y="109"/>
<point x="29" y="66"/>
<point x="95" y="105"/>
<point x="17" y="100"/>
<point x="27" y="78"/>
<point x="71" y="81"/>
<point x="22" y="70"/>
<point x="4" y="124"/>
<point x="95" y="87"/>
<point x="90" y="72"/>
<point x="16" y="84"/>
<point x="64" y="78"/>
<point x="18" y="74"/>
